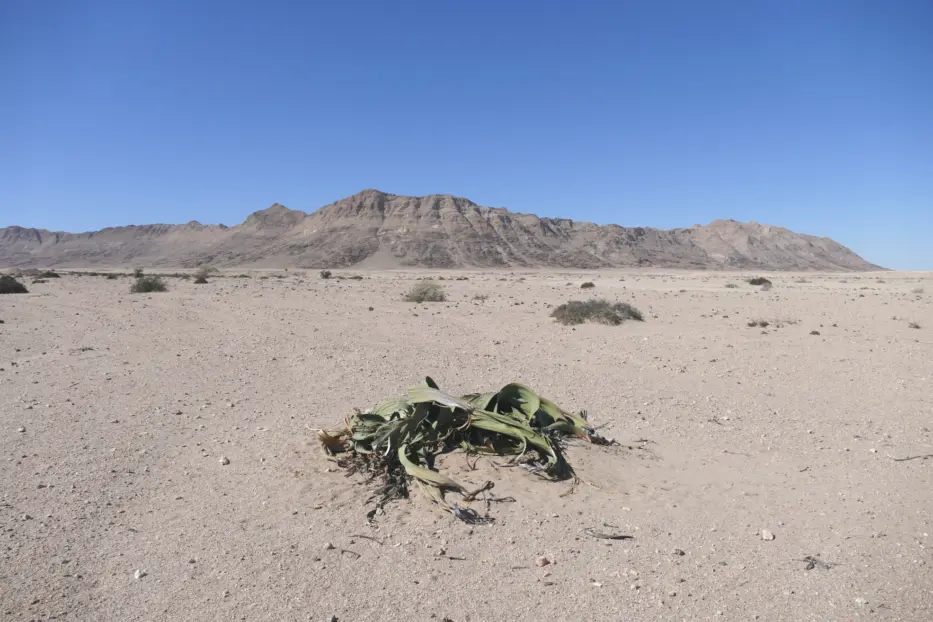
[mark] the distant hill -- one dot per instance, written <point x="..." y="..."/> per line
<point x="373" y="229"/>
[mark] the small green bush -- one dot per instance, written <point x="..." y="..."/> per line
<point x="147" y="284"/>
<point x="326" y="274"/>
<point x="759" y="280"/>
<point x="9" y="285"/>
<point x="587" y="285"/>
<point x="601" y="311"/>
<point x="913" y="325"/>
<point x="426" y="291"/>
<point x="137" y="272"/>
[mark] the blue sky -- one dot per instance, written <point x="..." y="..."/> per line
<point x="816" y="115"/>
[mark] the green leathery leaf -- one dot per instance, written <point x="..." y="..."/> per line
<point x="480" y="400"/>
<point x="430" y="382"/>
<point x="518" y="396"/>
<point x="537" y="441"/>
<point x="552" y="410"/>
<point x="426" y="475"/>
<point x="421" y="394"/>
<point x="390" y="407"/>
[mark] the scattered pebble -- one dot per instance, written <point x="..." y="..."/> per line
<point x="767" y="535"/>
<point x="224" y="460"/>
<point x="542" y="561"/>
<point x="21" y="429"/>
<point x="329" y="547"/>
<point x="139" y="574"/>
<point x="679" y="552"/>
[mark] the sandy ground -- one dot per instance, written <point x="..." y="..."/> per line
<point x="116" y="411"/>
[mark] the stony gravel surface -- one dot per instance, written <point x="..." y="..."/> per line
<point x="159" y="458"/>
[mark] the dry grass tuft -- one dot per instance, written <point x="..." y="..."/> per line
<point x="426" y="291"/>
<point x="600" y="311"/>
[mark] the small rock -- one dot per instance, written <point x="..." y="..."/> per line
<point x="679" y="552"/>
<point x="861" y="601"/>
<point x="21" y="429"/>
<point x="224" y="460"/>
<point x="139" y="574"/>
<point x="542" y="561"/>
<point x="328" y="547"/>
<point x="767" y="535"/>
<point x="27" y="517"/>
<point x="672" y="594"/>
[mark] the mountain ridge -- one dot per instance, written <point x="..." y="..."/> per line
<point x="382" y="230"/>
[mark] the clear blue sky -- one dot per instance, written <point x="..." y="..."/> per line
<point x="816" y="115"/>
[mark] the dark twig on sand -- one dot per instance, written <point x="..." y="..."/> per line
<point x="606" y="536"/>
<point x="920" y="457"/>
<point x="815" y="562"/>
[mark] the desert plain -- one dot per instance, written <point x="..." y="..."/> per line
<point x="160" y="459"/>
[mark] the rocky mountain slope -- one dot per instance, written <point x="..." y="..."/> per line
<point x="373" y="229"/>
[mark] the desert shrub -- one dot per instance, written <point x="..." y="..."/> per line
<point x="917" y="290"/>
<point x="587" y="285"/>
<point x="600" y="311"/>
<point x="355" y="277"/>
<point x="9" y="285"/>
<point x="200" y="276"/>
<point x="814" y="332"/>
<point x="34" y="281"/>
<point x="48" y="274"/>
<point x="758" y="280"/>
<point x="426" y="291"/>
<point x="137" y="272"/>
<point x="913" y="325"/>
<point x="146" y="284"/>
<point x="112" y="277"/>
<point x="731" y="285"/>
<point x="480" y="297"/>
<point x="762" y="323"/>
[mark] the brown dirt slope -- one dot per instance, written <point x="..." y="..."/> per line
<point x="379" y="230"/>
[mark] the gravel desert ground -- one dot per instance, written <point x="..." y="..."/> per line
<point x="160" y="459"/>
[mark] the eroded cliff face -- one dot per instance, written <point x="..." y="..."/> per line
<point x="382" y="230"/>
